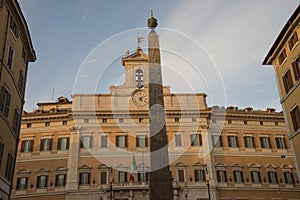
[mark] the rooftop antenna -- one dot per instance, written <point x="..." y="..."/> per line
<point x="139" y="40"/>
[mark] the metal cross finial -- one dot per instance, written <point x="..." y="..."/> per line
<point x="139" y="39"/>
<point x="151" y="13"/>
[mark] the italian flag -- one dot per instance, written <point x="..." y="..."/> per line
<point x="133" y="168"/>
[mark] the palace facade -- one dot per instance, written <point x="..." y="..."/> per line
<point x="97" y="147"/>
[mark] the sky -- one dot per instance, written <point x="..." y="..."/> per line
<point x="214" y="47"/>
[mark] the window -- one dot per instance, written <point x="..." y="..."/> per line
<point x="296" y="69"/>
<point x="141" y="141"/>
<point x="176" y="119"/>
<point x="103" y="142"/>
<point x="180" y="173"/>
<point x="47" y="124"/>
<point x="27" y="146"/>
<point x="10" y="58"/>
<point x="122" y="177"/>
<point x="121" y="120"/>
<point x="295" y="115"/>
<point x="4" y="101"/>
<point x="199" y="175"/>
<point x="245" y="122"/>
<point x="261" y="123"/>
<point x="265" y="143"/>
<point x="287" y="81"/>
<point x="121" y="141"/>
<point x="14" y="27"/>
<point x="217" y="141"/>
<point x="17" y="122"/>
<point x="238" y="176"/>
<point x="272" y="177"/>
<point x="232" y="141"/>
<point x="288" y="177"/>
<point x="221" y="175"/>
<point x="86" y="121"/>
<point x="103" y="177"/>
<point x="84" y="178"/>
<point x="64" y="123"/>
<point x="63" y="143"/>
<point x="194" y="119"/>
<point x="141" y="120"/>
<point x="104" y="120"/>
<point x="196" y="140"/>
<point x="178" y="141"/>
<point x="142" y="176"/>
<point x="60" y="180"/>
<point x="1" y="3"/>
<point x="255" y="176"/>
<point x="9" y="167"/>
<point x="249" y="142"/>
<point x="276" y="123"/>
<point x="46" y="144"/>
<point x="42" y="181"/>
<point x="21" y="83"/>
<point x="22" y="183"/>
<point x="280" y="142"/>
<point x="139" y="79"/>
<point x="282" y="56"/>
<point x="86" y="141"/>
<point x="24" y="56"/>
<point x="29" y="125"/>
<point x="293" y="40"/>
<point x="1" y="152"/>
<point x="229" y="121"/>
<point x="214" y="121"/>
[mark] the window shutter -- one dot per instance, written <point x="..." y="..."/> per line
<point x="253" y="142"/>
<point x="7" y="104"/>
<point x="242" y="176"/>
<point x="68" y="142"/>
<point x="65" y="178"/>
<point x="80" y="178"/>
<point x="236" y="141"/>
<point x="269" y="142"/>
<point x="137" y="141"/>
<point x="1" y="152"/>
<point x="42" y="144"/>
<point x="91" y="142"/>
<point x="38" y="182"/>
<point x="81" y="143"/>
<point x="220" y="141"/>
<point x="2" y="98"/>
<point x="245" y="141"/>
<point x="18" y="184"/>
<point x="89" y="176"/>
<point x="117" y="141"/>
<point x="126" y="141"/>
<point x="50" y="144"/>
<point x="59" y="144"/>
<point x="200" y="139"/>
<point x="22" y="146"/>
<point x="146" y="141"/>
<point x="56" y="180"/>
<point x="46" y="181"/>
<point x="31" y="145"/>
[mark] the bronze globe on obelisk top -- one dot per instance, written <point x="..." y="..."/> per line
<point x="160" y="185"/>
<point x="152" y="22"/>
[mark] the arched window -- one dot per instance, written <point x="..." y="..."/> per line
<point x="139" y="78"/>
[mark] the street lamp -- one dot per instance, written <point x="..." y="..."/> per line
<point x="186" y="191"/>
<point x="207" y="182"/>
<point x="110" y="189"/>
<point x="101" y="192"/>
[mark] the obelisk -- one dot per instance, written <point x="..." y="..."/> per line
<point x="160" y="187"/>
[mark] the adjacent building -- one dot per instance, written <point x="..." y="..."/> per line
<point x="284" y="55"/>
<point x="97" y="146"/>
<point x="16" y="51"/>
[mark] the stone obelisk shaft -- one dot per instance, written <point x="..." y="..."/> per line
<point x="160" y="175"/>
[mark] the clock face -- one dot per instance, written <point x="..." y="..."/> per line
<point x="140" y="98"/>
